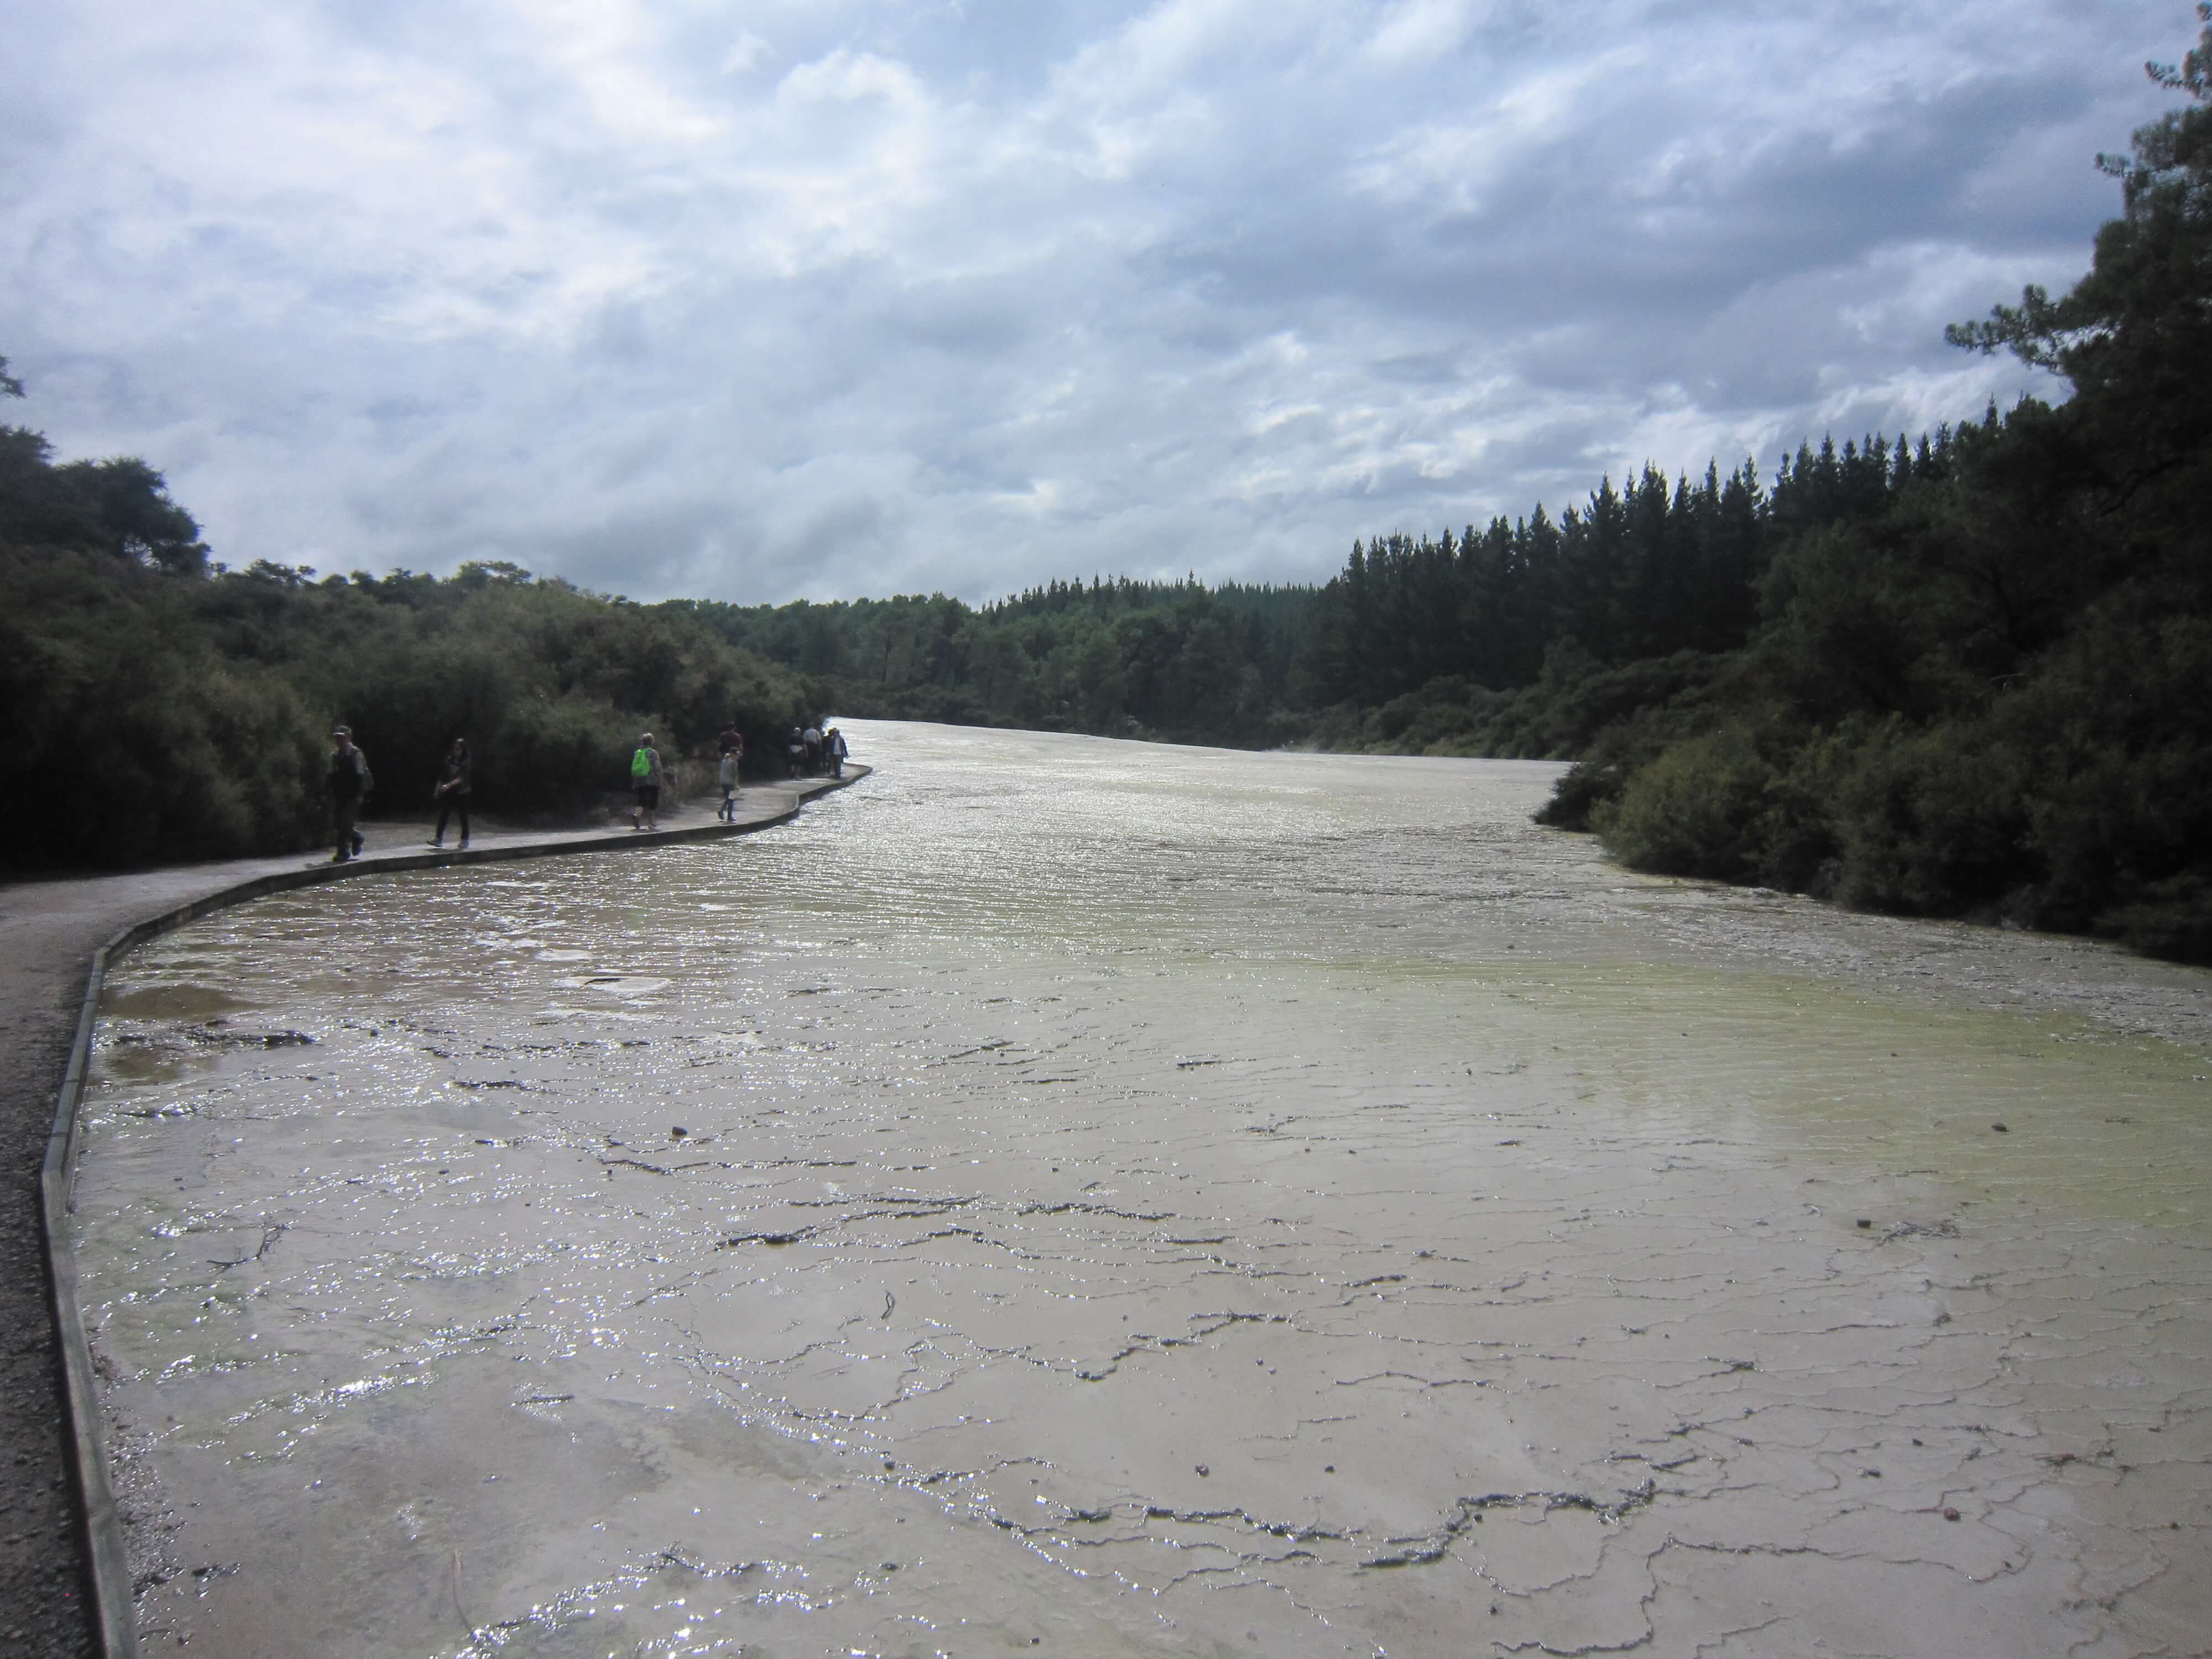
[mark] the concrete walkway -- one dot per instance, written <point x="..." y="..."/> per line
<point x="50" y="931"/>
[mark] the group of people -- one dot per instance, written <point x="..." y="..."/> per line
<point x="811" y="751"/>
<point x="349" y="781"/>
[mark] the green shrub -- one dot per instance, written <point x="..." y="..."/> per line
<point x="1932" y="820"/>
<point x="1698" y="809"/>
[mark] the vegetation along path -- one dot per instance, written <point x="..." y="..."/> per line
<point x="50" y="931"/>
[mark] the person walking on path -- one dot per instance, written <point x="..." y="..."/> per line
<point x="796" y="750"/>
<point x="733" y="742"/>
<point x="349" y="781"/>
<point x="453" y="792"/>
<point x="644" y="779"/>
<point x="811" y="737"/>
<point x="729" y="781"/>
<point x="833" y="747"/>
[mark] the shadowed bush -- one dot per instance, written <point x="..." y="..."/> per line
<point x="158" y="715"/>
<point x="1696" y="809"/>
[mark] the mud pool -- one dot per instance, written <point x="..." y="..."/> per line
<point x="1074" y="1197"/>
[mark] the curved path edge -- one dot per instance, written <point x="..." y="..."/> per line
<point x="113" y="1609"/>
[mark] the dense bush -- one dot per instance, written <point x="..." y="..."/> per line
<point x="125" y="743"/>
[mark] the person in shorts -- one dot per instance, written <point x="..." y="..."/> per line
<point x="645" y="782"/>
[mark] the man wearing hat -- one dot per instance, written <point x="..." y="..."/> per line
<point x="350" y="782"/>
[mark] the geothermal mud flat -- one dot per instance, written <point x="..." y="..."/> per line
<point x="1074" y="1197"/>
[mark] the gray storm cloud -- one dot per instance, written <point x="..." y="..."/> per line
<point x="759" y="302"/>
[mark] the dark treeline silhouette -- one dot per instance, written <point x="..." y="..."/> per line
<point x="1406" y="650"/>
<point x="1520" y="639"/>
<point x="1525" y="638"/>
<point x="1175" y="660"/>
<point x="1644" y="572"/>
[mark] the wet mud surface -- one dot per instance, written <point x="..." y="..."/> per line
<point x="1089" y="1199"/>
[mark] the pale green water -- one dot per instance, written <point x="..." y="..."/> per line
<point x="1060" y="1116"/>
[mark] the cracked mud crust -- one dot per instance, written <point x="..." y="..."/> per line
<point x="1088" y="1199"/>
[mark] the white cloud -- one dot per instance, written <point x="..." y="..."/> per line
<point x="1451" y="163"/>
<point x="754" y="298"/>
<point x="1415" y="31"/>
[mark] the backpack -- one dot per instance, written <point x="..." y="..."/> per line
<point x="640" y="765"/>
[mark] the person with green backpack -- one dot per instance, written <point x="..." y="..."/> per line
<point x="644" y="779"/>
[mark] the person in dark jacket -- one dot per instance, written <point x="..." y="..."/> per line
<point x="453" y="792"/>
<point x="349" y="782"/>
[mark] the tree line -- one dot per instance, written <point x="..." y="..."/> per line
<point x="1521" y="639"/>
<point x="1178" y="662"/>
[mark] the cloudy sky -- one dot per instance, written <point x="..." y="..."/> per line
<point x="770" y="299"/>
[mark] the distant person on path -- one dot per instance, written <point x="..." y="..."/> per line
<point x="812" y="739"/>
<point x="644" y="779"/>
<point x="349" y="781"/>
<point x="453" y="792"/>
<point x="833" y="746"/>
<point x="729" y="781"/>
<point x="796" y="751"/>
<point x="733" y="742"/>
